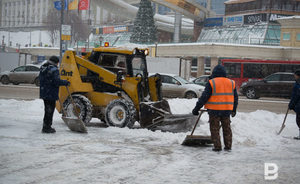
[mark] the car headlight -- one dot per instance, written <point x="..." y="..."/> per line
<point x="243" y="84"/>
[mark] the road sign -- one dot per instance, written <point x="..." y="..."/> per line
<point x="66" y="32"/>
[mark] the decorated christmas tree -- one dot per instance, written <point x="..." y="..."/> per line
<point x="144" y="30"/>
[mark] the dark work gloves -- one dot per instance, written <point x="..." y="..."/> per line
<point x="195" y="111"/>
<point x="233" y="113"/>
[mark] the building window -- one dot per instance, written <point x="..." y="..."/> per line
<point x="298" y="36"/>
<point x="286" y="36"/>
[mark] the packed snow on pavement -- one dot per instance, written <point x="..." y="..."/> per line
<point x="122" y="155"/>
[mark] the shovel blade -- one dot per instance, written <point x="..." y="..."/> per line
<point x="75" y="124"/>
<point x="282" y="127"/>
<point x="176" y="123"/>
<point x="196" y="140"/>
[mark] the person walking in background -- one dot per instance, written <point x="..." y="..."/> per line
<point x="221" y="100"/>
<point x="49" y="86"/>
<point x="295" y="100"/>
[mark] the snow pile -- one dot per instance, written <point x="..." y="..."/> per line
<point x="122" y="155"/>
<point x="249" y="129"/>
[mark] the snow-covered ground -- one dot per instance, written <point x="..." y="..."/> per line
<point x="115" y="155"/>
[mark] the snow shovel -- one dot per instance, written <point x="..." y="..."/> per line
<point x="197" y="140"/>
<point x="74" y="124"/>
<point x="283" y="124"/>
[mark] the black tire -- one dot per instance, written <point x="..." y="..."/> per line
<point x="16" y="83"/>
<point x="84" y="107"/>
<point x="190" y="95"/>
<point x="251" y="93"/>
<point x="37" y="81"/>
<point x="120" y="113"/>
<point x="5" y="79"/>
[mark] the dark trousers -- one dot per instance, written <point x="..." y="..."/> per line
<point x="298" y="119"/>
<point x="215" y="131"/>
<point x="49" y="110"/>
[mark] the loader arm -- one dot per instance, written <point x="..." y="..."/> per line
<point x="104" y="75"/>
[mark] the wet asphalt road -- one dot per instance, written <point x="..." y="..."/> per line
<point x="30" y="92"/>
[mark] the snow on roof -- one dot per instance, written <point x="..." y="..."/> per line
<point x="237" y="1"/>
<point x="222" y="44"/>
<point x="290" y="17"/>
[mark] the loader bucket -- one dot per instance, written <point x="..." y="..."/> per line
<point x="158" y="116"/>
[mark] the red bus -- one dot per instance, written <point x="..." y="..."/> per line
<point x="241" y="70"/>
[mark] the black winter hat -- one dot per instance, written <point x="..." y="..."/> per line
<point x="297" y="72"/>
<point x="218" y="71"/>
<point x="54" y="59"/>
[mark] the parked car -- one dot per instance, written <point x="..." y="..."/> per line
<point x="174" y="86"/>
<point x="22" y="74"/>
<point x="275" y="85"/>
<point x="202" y="80"/>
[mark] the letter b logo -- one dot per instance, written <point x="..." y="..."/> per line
<point x="271" y="171"/>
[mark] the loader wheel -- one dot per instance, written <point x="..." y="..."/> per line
<point x="83" y="107"/>
<point x="120" y="113"/>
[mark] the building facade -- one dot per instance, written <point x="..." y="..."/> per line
<point x="32" y="14"/>
<point x="24" y="13"/>
<point x="290" y="31"/>
<point x="217" y="6"/>
<point x="286" y="7"/>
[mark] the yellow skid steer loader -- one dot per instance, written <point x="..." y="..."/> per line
<point x="112" y="84"/>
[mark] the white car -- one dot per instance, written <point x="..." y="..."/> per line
<point x="22" y="74"/>
<point x="174" y="86"/>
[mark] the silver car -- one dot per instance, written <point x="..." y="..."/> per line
<point x="174" y="86"/>
<point x="202" y="80"/>
<point x="22" y="74"/>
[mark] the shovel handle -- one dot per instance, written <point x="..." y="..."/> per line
<point x="201" y="112"/>
<point x="62" y="108"/>
<point x="283" y="123"/>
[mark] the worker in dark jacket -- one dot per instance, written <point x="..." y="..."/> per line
<point x="295" y="100"/>
<point x="220" y="99"/>
<point x="49" y="86"/>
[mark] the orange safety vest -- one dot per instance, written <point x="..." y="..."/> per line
<point x="222" y="97"/>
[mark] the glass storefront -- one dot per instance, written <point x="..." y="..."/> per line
<point x="257" y="34"/>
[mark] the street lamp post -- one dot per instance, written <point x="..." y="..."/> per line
<point x="101" y="40"/>
<point x="61" y="23"/>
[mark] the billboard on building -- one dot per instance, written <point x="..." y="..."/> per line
<point x="274" y="17"/>
<point x="187" y="6"/>
<point x="108" y="30"/>
<point x="233" y="20"/>
<point x="212" y="22"/>
<point x="120" y="29"/>
<point x="254" y="18"/>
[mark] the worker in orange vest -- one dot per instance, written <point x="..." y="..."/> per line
<point x="221" y="100"/>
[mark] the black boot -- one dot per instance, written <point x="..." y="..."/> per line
<point x="217" y="149"/>
<point x="227" y="149"/>
<point x="47" y="121"/>
<point x="48" y="130"/>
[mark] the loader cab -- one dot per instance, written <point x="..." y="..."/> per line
<point x="131" y="64"/>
